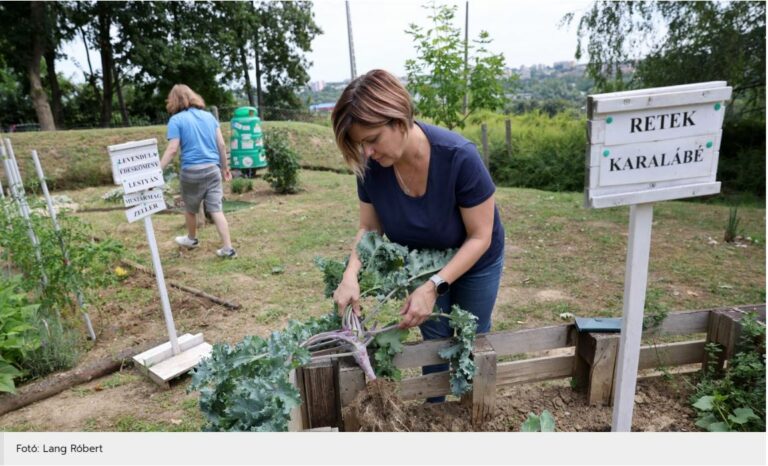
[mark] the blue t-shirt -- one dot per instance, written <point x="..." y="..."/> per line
<point x="457" y="178"/>
<point x="196" y="130"/>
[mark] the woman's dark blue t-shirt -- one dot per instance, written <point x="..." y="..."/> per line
<point x="457" y="178"/>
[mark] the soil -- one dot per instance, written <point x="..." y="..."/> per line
<point x="661" y="405"/>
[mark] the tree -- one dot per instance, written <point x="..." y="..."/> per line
<point x="437" y="78"/>
<point x="285" y="31"/>
<point x="24" y="42"/>
<point x="683" y="42"/>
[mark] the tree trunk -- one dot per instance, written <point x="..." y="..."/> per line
<point x="244" y="66"/>
<point x="57" y="383"/>
<point x="91" y="78"/>
<point x="53" y="83"/>
<point x="36" y="91"/>
<point x="105" y="48"/>
<point x="259" y="98"/>
<point x="119" y="90"/>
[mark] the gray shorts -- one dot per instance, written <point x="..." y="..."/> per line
<point x="201" y="185"/>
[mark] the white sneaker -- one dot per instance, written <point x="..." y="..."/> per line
<point x="228" y="253"/>
<point x="187" y="242"/>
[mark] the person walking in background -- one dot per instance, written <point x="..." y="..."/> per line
<point x="203" y="163"/>
<point x="426" y="188"/>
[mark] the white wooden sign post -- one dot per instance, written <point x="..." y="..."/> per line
<point x="646" y="146"/>
<point x="136" y="166"/>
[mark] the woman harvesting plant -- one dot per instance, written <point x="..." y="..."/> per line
<point x="426" y="188"/>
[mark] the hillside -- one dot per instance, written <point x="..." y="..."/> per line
<point x="78" y="158"/>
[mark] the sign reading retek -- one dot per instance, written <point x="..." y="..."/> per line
<point x="654" y="144"/>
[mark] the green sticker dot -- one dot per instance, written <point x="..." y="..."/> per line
<point x="717" y="106"/>
<point x="606" y="153"/>
<point x="609" y="120"/>
<point x="709" y="144"/>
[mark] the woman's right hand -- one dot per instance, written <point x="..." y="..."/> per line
<point x="348" y="294"/>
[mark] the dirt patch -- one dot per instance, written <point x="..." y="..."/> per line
<point x="660" y="406"/>
<point x="551" y="295"/>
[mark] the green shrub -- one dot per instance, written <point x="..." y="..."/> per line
<point x="241" y="185"/>
<point x="59" y="346"/>
<point x="735" y="400"/>
<point x="547" y="152"/>
<point x="89" y="266"/>
<point x="55" y="280"/>
<point x="18" y="335"/>
<point x="732" y="226"/>
<point x="282" y="161"/>
<point x="741" y="164"/>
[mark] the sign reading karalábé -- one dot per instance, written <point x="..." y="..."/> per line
<point x="665" y="145"/>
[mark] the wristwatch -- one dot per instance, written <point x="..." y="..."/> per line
<point x="441" y="286"/>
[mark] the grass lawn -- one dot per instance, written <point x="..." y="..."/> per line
<point x="560" y="258"/>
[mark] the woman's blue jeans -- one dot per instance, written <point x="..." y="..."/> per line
<point x="474" y="292"/>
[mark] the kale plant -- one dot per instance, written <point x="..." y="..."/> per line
<point x="246" y="387"/>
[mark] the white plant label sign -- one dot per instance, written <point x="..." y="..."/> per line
<point x="142" y="210"/>
<point x="143" y="182"/>
<point x="654" y="144"/>
<point x="143" y="197"/>
<point x="133" y="159"/>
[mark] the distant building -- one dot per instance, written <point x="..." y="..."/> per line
<point x="317" y="86"/>
<point x="564" y="65"/>
<point x="324" y="107"/>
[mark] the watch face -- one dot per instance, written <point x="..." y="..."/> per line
<point x="442" y="288"/>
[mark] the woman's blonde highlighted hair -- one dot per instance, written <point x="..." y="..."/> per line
<point x="374" y="99"/>
<point x="181" y="98"/>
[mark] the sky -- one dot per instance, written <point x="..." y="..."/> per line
<point x="525" y="31"/>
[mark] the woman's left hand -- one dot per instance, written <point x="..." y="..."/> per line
<point x="418" y="306"/>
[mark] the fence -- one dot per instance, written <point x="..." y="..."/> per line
<point x="329" y="385"/>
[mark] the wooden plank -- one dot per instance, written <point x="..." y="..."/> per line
<point x="420" y="354"/>
<point x="534" y="370"/>
<point x="320" y="390"/>
<point x="295" y="423"/>
<point x="529" y="340"/>
<point x="671" y="354"/>
<point x="657" y="101"/>
<point x="653" y="195"/>
<point x="504" y="343"/>
<point x="425" y="386"/>
<point x="602" y="368"/>
<point x="162" y="352"/>
<point x="351" y="383"/>
<point x="582" y="355"/>
<point x="483" y="381"/>
<point x="173" y="367"/>
<point x="682" y="323"/>
<point x="655" y="90"/>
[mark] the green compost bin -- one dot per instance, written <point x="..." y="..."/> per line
<point x="247" y="141"/>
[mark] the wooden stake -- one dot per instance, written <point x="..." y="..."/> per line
<point x="483" y="382"/>
<point x="320" y="388"/>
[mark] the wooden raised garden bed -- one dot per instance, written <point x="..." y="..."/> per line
<point x="520" y="356"/>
